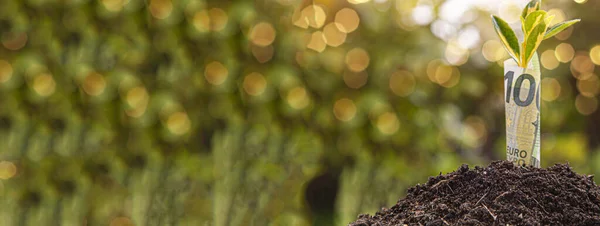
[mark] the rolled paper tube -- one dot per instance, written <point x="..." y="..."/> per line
<point x="522" y="104"/>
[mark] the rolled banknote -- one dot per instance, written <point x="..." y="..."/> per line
<point x="522" y="105"/>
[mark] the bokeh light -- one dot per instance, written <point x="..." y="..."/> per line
<point x="595" y="54"/>
<point x="493" y="51"/>
<point x="564" y="52"/>
<point x="297" y="98"/>
<point x="509" y="11"/>
<point x="6" y="71"/>
<point x="201" y="21"/>
<point x="344" y="109"/>
<point x="161" y="9"/>
<point x="402" y="83"/>
<point x="357" y="60"/>
<point x="311" y="16"/>
<point x="137" y="98"/>
<point x="388" y="123"/>
<point x="178" y="123"/>
<point x="548" y="60"/>
<point x="347" y="20"/>
<point x="582" y="63"/>
<point x="355" y="80"/>
<point x="423" y="14"/>
<point x="7" y="170"/>
<point x="114" y="5"/>
<point x="263" y="54"/>
<point x="262" y="34"/>
<point x="590" y="86"/>
<point x="94" y="84"/>
<point x="218" y="19"/>
<point x="317" y="42"/>
<point x="255" y="84"/>
<point x="14" y="40"/>
<point x="44" y="84"/>
<point x="455" y="54"/>
<point x="333" y="36"/>
<point x="443" y="74"/>
<point x="559" y="15"/>
<point x="551" y="89"/>
<point x="586" y="105"/>
<point x="214" y="19"/>
<point x="215" y="73"/>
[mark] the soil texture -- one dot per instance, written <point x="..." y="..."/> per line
<point x="499" y="194"/>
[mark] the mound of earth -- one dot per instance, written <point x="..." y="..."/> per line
<point x="499" y="194"/>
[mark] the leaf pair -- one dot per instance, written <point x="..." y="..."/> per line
<point x="534" y="23"/>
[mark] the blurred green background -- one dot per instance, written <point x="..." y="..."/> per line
<point x="266" y="112"/>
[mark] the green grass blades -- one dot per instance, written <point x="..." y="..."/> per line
<point x="531" y="21"/>
<point x="507" y="36"/>
<point x="532" y="6"/>
<point x="557" y="28"/>
<point x="532" y="42"/>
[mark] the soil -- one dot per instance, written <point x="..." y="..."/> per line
<point x="499" y="194"/>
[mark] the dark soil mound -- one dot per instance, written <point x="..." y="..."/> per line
<point x="499" y="194"/>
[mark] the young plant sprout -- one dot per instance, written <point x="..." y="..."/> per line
<point x="535" y="25"/>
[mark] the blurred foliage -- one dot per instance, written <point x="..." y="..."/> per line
<point x="287" y="112"/>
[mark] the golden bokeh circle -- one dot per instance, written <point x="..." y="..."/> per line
<point x="317" y="42"/>
<point x="7" y="170"/>
<point x="589" y="87"/>
<point x="218" y="19"/>
<point x="6" y="71"/>
<point x="297" y="98"/>
<point x="548" y="60"/>
<point x="161" y="9"/>
<point x="262" y="34"/>
<point x="388" y="123"/>
<point x="595" y="54"/>
<point x="551" y="89"/>
<point x="333" y="36"/>
<point x="179" y="123"/>
<point x="137" y="98"/>
<point x="402" y="83"/>
<point x="94" y="84"/>
<point x="201" y="21"/>
<point x="215" y="73"/>
<point x="347" y="20"/>
<point x="586" y="105"/>
<point x="344" y="109"/>
<point x="254" y="84"/>
<point x="564" y="52"/>
<point x="355" y="80"/>
<point x="44" y="84"/>
<point x="357" y="60"/>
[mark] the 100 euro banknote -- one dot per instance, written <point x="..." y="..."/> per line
<point x="522" y="105"/>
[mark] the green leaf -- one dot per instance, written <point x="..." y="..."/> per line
<point x="507" y="36"/>
<point x="557" y="28"/>
<point x="532" y="20"/>
<point x="532" y="42"/>
<point x="532" y="6"/>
